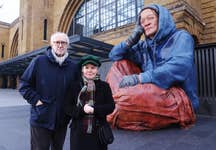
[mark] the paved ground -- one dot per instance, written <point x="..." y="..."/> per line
<point x="14" y="131"/>
<point x="10" y="97"/>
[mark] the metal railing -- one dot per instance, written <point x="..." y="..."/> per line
<point x="205" y="59"/>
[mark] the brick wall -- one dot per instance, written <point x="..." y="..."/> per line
<point x="4" y="39"/>
<point x="208" y="10"/>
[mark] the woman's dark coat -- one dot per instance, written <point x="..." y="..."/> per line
<point x="104" y="105"/>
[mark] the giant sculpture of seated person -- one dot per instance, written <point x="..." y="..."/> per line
<point x="153" y="81"/>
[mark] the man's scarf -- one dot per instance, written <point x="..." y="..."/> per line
<point x="58" y="59"/>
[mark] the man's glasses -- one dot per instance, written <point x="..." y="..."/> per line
<point x="60" y="42"/>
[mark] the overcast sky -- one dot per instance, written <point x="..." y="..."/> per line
<point x="9" y="10"/>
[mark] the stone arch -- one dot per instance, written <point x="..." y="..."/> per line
<point x="195" y="34"/>
<point x="68" y="13"/>
<point x="192" y="29"/>
<point x="14" y="45"/>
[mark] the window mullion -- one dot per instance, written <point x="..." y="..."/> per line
<point x="85" y="17"/>
<point x="99" y="15"/>
<point x="116" y="14"/>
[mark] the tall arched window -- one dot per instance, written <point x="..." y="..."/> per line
<point x="45" y="29"/>
<point x="3" y="50"/>
<point x="100" y="15"/>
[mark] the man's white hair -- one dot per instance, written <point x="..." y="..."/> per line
<point x="59" y="33"/>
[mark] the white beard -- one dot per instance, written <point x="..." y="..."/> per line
<point x="58" y="59"/>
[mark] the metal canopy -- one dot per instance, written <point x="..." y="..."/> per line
<point x="78" y="47"/>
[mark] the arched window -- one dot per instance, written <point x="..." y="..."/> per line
<point x="96" y="16"/>
<point x="45" y="29"/>
<point x="3" y="50"/>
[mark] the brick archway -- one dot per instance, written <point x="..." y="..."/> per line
<point x="69" y="11"/>
<point x="14" y="45"/>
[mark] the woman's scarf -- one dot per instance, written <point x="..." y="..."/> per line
<point x="87" y="96"/>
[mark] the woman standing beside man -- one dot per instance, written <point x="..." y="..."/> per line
<point x="88" y="105"/>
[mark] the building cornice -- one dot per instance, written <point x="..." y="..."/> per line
<point x="184" y="6"/>
<point x="9" y="25"/>
<point x="14" y="22"/>
<point x="4" y="25"/>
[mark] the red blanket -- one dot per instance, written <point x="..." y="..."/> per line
<point x="146" y="106"/>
